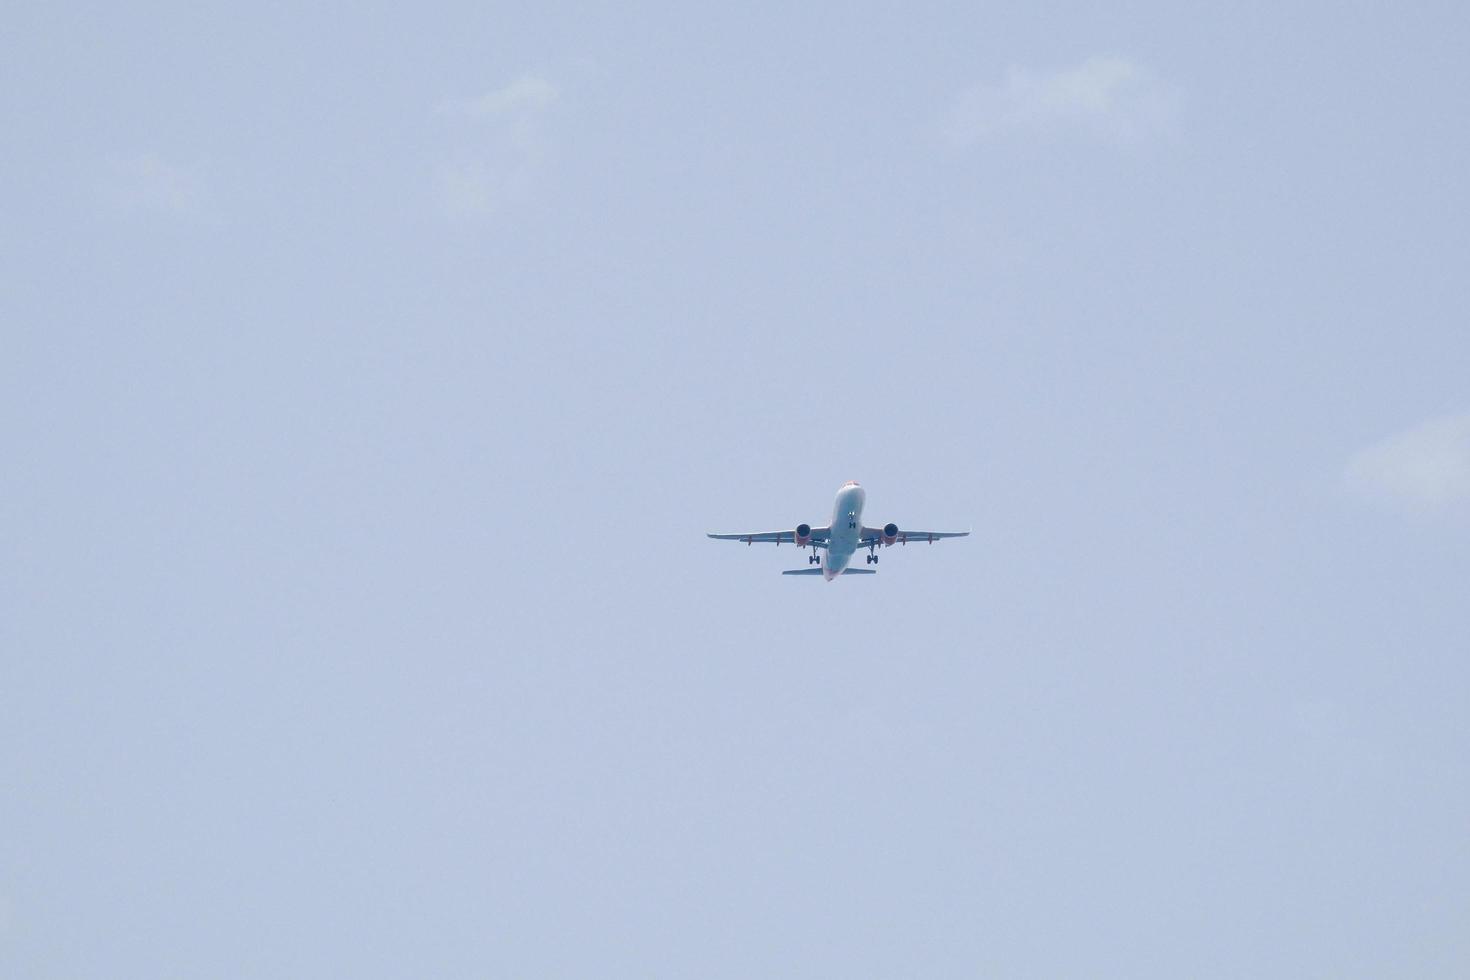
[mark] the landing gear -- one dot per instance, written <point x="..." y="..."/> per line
<point x="813" y="559"/>
<point x="871" y="559"/>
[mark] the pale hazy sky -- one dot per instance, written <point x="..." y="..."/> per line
<point x="370" y="375"/>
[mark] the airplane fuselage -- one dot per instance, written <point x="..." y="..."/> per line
<point x="847" y="530"/>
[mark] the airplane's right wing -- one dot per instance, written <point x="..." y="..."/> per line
<point x="818" y="537"/>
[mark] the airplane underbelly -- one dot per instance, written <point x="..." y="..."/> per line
<point x="842" y="545"/>
<point x="847" y="522"/>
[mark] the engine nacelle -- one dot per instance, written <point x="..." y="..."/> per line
<point x="890" y="534"/>
<point x="803" y="535"/>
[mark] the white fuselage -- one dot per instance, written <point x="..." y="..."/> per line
<point x="847" y="529"/>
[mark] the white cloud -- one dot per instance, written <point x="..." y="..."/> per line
<point x="1111" y="98"/>
<point x="526" y="94"/>
<point x="469" y="187"/>
<point x="496" y="147"/>
<point x="148" y="182"/>
<point x="1424" y="468"/>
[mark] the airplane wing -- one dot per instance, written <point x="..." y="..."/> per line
<point x="819" y="537"/>
<point x="875" y="534"/>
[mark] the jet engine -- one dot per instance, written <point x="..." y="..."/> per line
<point x="803" y="535"/>
<point x="890" y="534"/>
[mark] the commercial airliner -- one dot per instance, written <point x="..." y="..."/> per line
<point x="839" y="540"/>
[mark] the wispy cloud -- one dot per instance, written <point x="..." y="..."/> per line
<point x="469" y="187"/>
<point x="1106" y="97"/>
<point x="147" y="182"/>
<point x="526" y="94"/>
<point x="1425" y="468"/>
<point x="497" y="146"/>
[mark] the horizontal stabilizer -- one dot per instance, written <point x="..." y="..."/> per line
<point x="818" y="571"/>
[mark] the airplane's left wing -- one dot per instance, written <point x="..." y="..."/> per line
<point x="872" y="535"/>
<point x="818" y="537"/>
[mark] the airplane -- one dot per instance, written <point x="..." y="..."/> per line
<point x="840" y="539"/>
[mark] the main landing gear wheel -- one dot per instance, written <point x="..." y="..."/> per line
<point x="812" y="560"/>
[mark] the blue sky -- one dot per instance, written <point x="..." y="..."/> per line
<point x="371" y="377"/>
